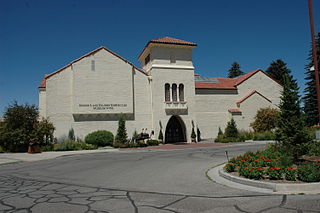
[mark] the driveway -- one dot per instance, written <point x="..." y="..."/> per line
<point x="137" y="181"/>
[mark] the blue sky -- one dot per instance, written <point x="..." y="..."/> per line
<point x="40" y="36"/>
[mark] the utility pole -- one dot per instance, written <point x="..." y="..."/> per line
<point x="314" y="56"/>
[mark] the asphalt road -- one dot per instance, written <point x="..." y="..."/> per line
<point x="136" y="181"/>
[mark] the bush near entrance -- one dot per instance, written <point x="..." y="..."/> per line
<point x="100" y="138"/>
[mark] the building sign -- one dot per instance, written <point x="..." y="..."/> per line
<point x="102" y="106"/>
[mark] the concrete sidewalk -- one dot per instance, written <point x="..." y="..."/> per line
<point x="7" y="158"/>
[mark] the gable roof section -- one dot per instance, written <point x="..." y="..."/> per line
<point x="43" y="81"/>
<point x="168" y="40"/>
<point x="229" y="83"/>
<point x="249" y="95"/>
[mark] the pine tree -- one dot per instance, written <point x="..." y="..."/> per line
<point x="234" y="71"/>
<point x="278" y="69"/>
<point x="71" y="135"/>
<point x="121" y="136"/>
<point x="310" y="94"/>
<point x="231" y="130"/>
<point x="291" y="132"/>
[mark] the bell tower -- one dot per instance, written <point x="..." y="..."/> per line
<point x="168" y="62"/>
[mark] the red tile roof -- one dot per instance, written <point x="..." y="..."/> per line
<point x="223" y="83"/>
<point x="168" y="40"/>
<point x="249" y="95"/>
<point x="234" y="110"/>
<point x="43" y="81"/>
<point x="228" y="83"/>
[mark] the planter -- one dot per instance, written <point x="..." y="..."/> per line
<point x="34" y="148"/>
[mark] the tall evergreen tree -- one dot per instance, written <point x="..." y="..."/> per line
<point x="234" y="71"/>
<point x="291" y="131"/>
<point x="278" y="70"/>
<point x="121" y="136"/>
<point x="310" y="94"/>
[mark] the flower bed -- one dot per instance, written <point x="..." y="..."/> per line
<point x="272" y="165"/>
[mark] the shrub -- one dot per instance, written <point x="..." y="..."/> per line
<point x="1" y="149"/>
<point x="275" y="173"/>
<point x="309" y="172"/>
<point x="263" y="136"/>
<point x="231" y="130"/>
<point x="100" y="138"/>
<point x="72" y="145"/>
<point x="153" y="142"/>
<point x="255" y="173"/>
<point x="230" y="167"/>
<point x="313" y="148"/>
<point x="265" y="120"/>
<point x="290" y="174"/>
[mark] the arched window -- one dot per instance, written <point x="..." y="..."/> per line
<point x="174" y="92"/>
<point x="181" y="92"/>
<point x="167" y="92"/>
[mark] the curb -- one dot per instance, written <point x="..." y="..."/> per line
<point x="9" y="162"/>
<point x="283" y="188"/>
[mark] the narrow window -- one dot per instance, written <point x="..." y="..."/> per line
<point x="93" y="65"/>
<point x="147" y="60"/>
<point x="167" y="92"/>
<point x="181" y="92"/>
<point x="174" y="92"/>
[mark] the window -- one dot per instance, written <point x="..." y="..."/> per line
<point x="181" y="92"/>
<point x="174" y="92"/>
<point x="93" y="65"/>
<point x="167" y="92"/>
<point x="147" y="60"/>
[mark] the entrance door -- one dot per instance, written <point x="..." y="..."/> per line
<point x="175" y="131"/>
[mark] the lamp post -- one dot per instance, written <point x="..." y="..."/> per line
<point x="314" y="56"/>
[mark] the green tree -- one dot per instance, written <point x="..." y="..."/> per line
<point x="121" y="136"/>
<point x="265" y="119"/>
<point x="234" y="71"/>
<point x="21" y="125"/>
<point x="231" y="130"/>
<point x="310" y="94"/>
<point x="291" y="132"/>
<point x="278" y="70"/>
<point x="71" y="135"/>
<point x="43" y="131"/>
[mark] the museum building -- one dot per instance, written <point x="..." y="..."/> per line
<point x="92" y="91"/>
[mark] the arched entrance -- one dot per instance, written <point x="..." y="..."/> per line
<point x="175" y="130"/>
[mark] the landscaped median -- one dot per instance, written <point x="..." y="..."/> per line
<point x="285" y="188"/>
<point x="274" y="170"/>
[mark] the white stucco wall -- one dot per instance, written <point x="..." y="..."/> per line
<point x="42" y="103"/>
<point x="112" y="82"/>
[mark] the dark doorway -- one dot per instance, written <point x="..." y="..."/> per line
<point x="175" y="130"/>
